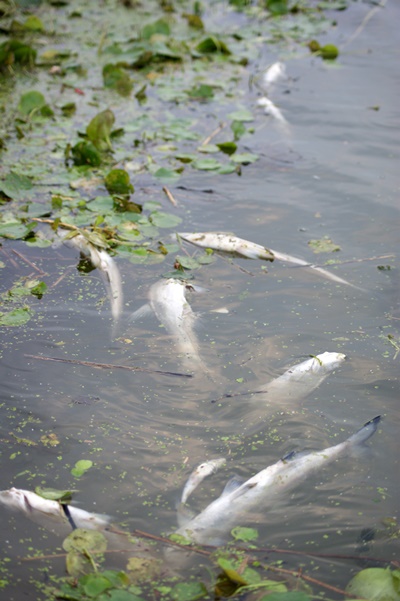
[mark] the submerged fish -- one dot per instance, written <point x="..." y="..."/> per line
<point x="167" y="299"/>
<point x="199" y="473"/>
<point x="50" y="513"/>
<point x="239" y="500"/>
<point x="100" y="259"/>
<point x="271" y="109"/>
<point x="229" y="243"/>
<point x="301" y="379"/>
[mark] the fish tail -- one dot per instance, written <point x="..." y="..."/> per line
<point x="364" y="433"/>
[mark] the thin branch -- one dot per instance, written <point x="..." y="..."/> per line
<point x="213" y="134"/>
<point x="21" y="256"/>
<point x="356" y="261"/>
<point x="169" y="196"/>
<point x="364" y="22"/>
<point x="110" y="366"/>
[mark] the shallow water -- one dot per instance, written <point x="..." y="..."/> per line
<point x="335" y="175"/>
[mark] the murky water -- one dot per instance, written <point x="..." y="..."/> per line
<point x="335" y="175"/>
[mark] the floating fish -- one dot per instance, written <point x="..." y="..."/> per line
<point x="199" y="473"/>
<point x="274" y="73"/>
<point x="50" y="513"/>
<point x="100" y="259"/>
<point x="301" y="379"/>
<point x="271" y="109"/>
<point x="229" y="243"/>
<point x="167" y="299"/>
<point x="239" y="500"/>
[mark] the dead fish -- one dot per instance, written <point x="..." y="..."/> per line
<point x="102" y="260"/>
<point x="229" y="243"/>
<point x="274" y="73"/>
<point x="199" y="473"/>
<point x="301" y="379"/>
<point x="50" y="513"/>
<point x="240" y="500"/>
<point x="271" y="109"/>
<point x="167" y="299"/>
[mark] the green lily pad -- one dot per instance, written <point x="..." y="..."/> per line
<point x="17" y="317"/>
<point x="244" y="158"/>
<point x="206" y="164"/>
<point x="99" y="130"/>
<point x="15" y="185"/>
<point x="376" y="584"/>
<point x="161" y="219"/>
<point x="81" y="466"/>
<point x="227" y="147"/>
<point x="117" y="182"/>
<point x="52" y="494"/>
<point x="324" y="245"/>
<point x="85" y="153"/>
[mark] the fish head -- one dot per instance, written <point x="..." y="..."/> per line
<point x="327" y="362"/>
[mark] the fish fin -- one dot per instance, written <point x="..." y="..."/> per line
<point x="233" y="484"/>
<point x="141" y="312"/>
<point x="364" y="433"/>
<point x="196" y="288"/>
<point x="289" y="456"/>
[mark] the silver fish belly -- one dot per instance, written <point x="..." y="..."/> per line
<point x="234" y="507"/>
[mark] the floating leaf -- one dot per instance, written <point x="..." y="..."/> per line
<point x="244" y="158"/>
<point x="117" y="182"/>
<point x="33" y="23"/>
<point x="14" y="230"/>
<point x="30" y="102"/>
<point x="39" y="289"/>
<point x="324" y="245"/>
<point x="239" y="532"/>
<point x="83" y="540"/>
<point x="17" y="317"/>
<point x="329" y="52"/>
<point x="117" y="79"/>
<point x="188" y="591"/>
<point x="376" y="584"/>
<point x="85" y="153"/>
<point x="160" y="219"/>
<point x="95" y="584"/>
<point x="212" y="44"/>
<point x="242" y="115"/>
<point x="277" y="7"/>
<point x="201" y="92"/>
<point x="15" y="185"/>
<point x="158" y="27"/>
<point x="206" y="164"/>
<point x="14" y="51"/>
<point x="99" y="130"/>
<point x="166" y="174"/>
<point x="52" y="494"/>
<point x="227" y="147"/>
<point x="81" y="467"/>
<point x="238" y="129"/>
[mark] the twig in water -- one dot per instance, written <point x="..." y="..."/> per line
<point x="364" y="22"/>
<point x="357" y="260"/>
<point x="110" y="366"/>
<point x="213" y="134"/>
<point x="21" y="256"/>
<point x="169" y="196"/>
<point x="13" y="263"/>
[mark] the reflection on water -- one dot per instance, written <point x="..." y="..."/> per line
<point x="145" y="432"/>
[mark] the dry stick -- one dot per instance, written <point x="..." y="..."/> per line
<point x="325" y="555"/>
<point x="13" y="263"/>
<point x="213" y="134"/>
<point x="169" y="196"/>
<point x="64" y="275"/>
<point x="357" y="260"/>
<point x="364" y="22"/>
<point x="61" y="223"/>
<point x="110" y="366"/>
<point x="298" y="574"/>
<point x="21" y="256"/>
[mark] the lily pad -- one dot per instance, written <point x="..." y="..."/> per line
<point x="15" y="185"/>
<point x="99" y="130"/>
<point x="17" y="317"/>
<point x="117" y="182"/>
<point x="376" y="584"/>
<point x="324" y="245"/>
<point x="81" y="466"/>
